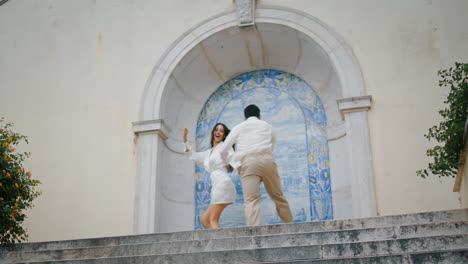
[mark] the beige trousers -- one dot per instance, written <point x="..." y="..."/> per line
<point x="256" y="168"/>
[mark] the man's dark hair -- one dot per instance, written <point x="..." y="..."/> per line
<point x="252" y="110"/>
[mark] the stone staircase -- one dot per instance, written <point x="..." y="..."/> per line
<point x="434" y="237"/>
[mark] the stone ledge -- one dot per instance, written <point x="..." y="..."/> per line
<point x="157" y="126"/>
<point x="354" y="104"/>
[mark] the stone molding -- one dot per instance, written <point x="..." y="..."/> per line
<point x="341" y="55"/>
<point x="354" y="104"/>
<point x="245" y="12"/>
<point x="157" y="126"/>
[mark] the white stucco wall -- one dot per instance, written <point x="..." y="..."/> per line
<point x="72" y="74"/>
<point x="401" y="45"/>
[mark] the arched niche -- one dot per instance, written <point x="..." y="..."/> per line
<point x="211" y="54"/>
<point x="301" y="150"/>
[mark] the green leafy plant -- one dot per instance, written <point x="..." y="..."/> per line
<point x="451" y="130"/>
<point x="17" y="188"/>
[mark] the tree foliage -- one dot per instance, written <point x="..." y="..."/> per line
<point x="17" y="188"/>
<point x="449" y="133"/>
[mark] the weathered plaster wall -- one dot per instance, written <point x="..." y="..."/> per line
<point x="72" y="74"/>
<point x="401" y="45"/>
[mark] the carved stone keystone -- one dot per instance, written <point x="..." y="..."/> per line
<point x="245" y="12"/>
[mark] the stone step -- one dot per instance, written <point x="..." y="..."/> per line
<point x="377" y="239"/>
<point x="247" y="242"/>
<point x="332" y="225"/>
<point x="330" y="252"/>
<point x="449" y="257"/>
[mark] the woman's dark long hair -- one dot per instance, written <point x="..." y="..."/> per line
<point x="226" y="132"/>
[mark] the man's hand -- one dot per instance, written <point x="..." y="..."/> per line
<point x="229" y="168"/>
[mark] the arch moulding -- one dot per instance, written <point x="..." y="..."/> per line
<point x="152" y="130"/>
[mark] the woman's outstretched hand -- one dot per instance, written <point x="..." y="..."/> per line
<point x="185" y="130"/>
<point x="185" y="134"/>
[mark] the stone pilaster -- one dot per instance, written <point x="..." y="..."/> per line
<point x="150" y="135"/>
<point x="354" y="112"/>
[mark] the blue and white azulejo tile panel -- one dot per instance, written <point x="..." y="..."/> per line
<point x="295" y="111"/>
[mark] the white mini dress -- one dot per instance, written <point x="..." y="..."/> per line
<point x="223" y="190"/>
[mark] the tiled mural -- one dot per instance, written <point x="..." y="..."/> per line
<point x="295" y="111"/>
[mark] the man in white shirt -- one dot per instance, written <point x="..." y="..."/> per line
<point x="253" y="158"/>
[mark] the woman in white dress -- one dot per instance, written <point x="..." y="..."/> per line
<point x="223" y="191"/>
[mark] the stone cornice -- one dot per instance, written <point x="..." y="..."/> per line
<point x="157" y="126"/>
<point x="354" y="104"/>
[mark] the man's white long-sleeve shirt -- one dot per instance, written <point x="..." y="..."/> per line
<point x="251" y="136"/>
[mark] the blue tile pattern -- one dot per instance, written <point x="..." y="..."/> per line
<point x="297" y="114"/>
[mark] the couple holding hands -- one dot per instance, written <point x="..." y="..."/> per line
<point x="254" y="141"/>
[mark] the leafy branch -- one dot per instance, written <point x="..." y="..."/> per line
<point x="451" y="130"/>
<point x="17" y="187"/>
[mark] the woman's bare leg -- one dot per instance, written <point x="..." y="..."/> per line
<point x="210" y="219"/>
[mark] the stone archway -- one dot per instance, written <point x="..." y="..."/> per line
<point x="212" y="53"/>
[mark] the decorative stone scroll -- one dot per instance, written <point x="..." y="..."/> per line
<point x="245" y="12"/>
